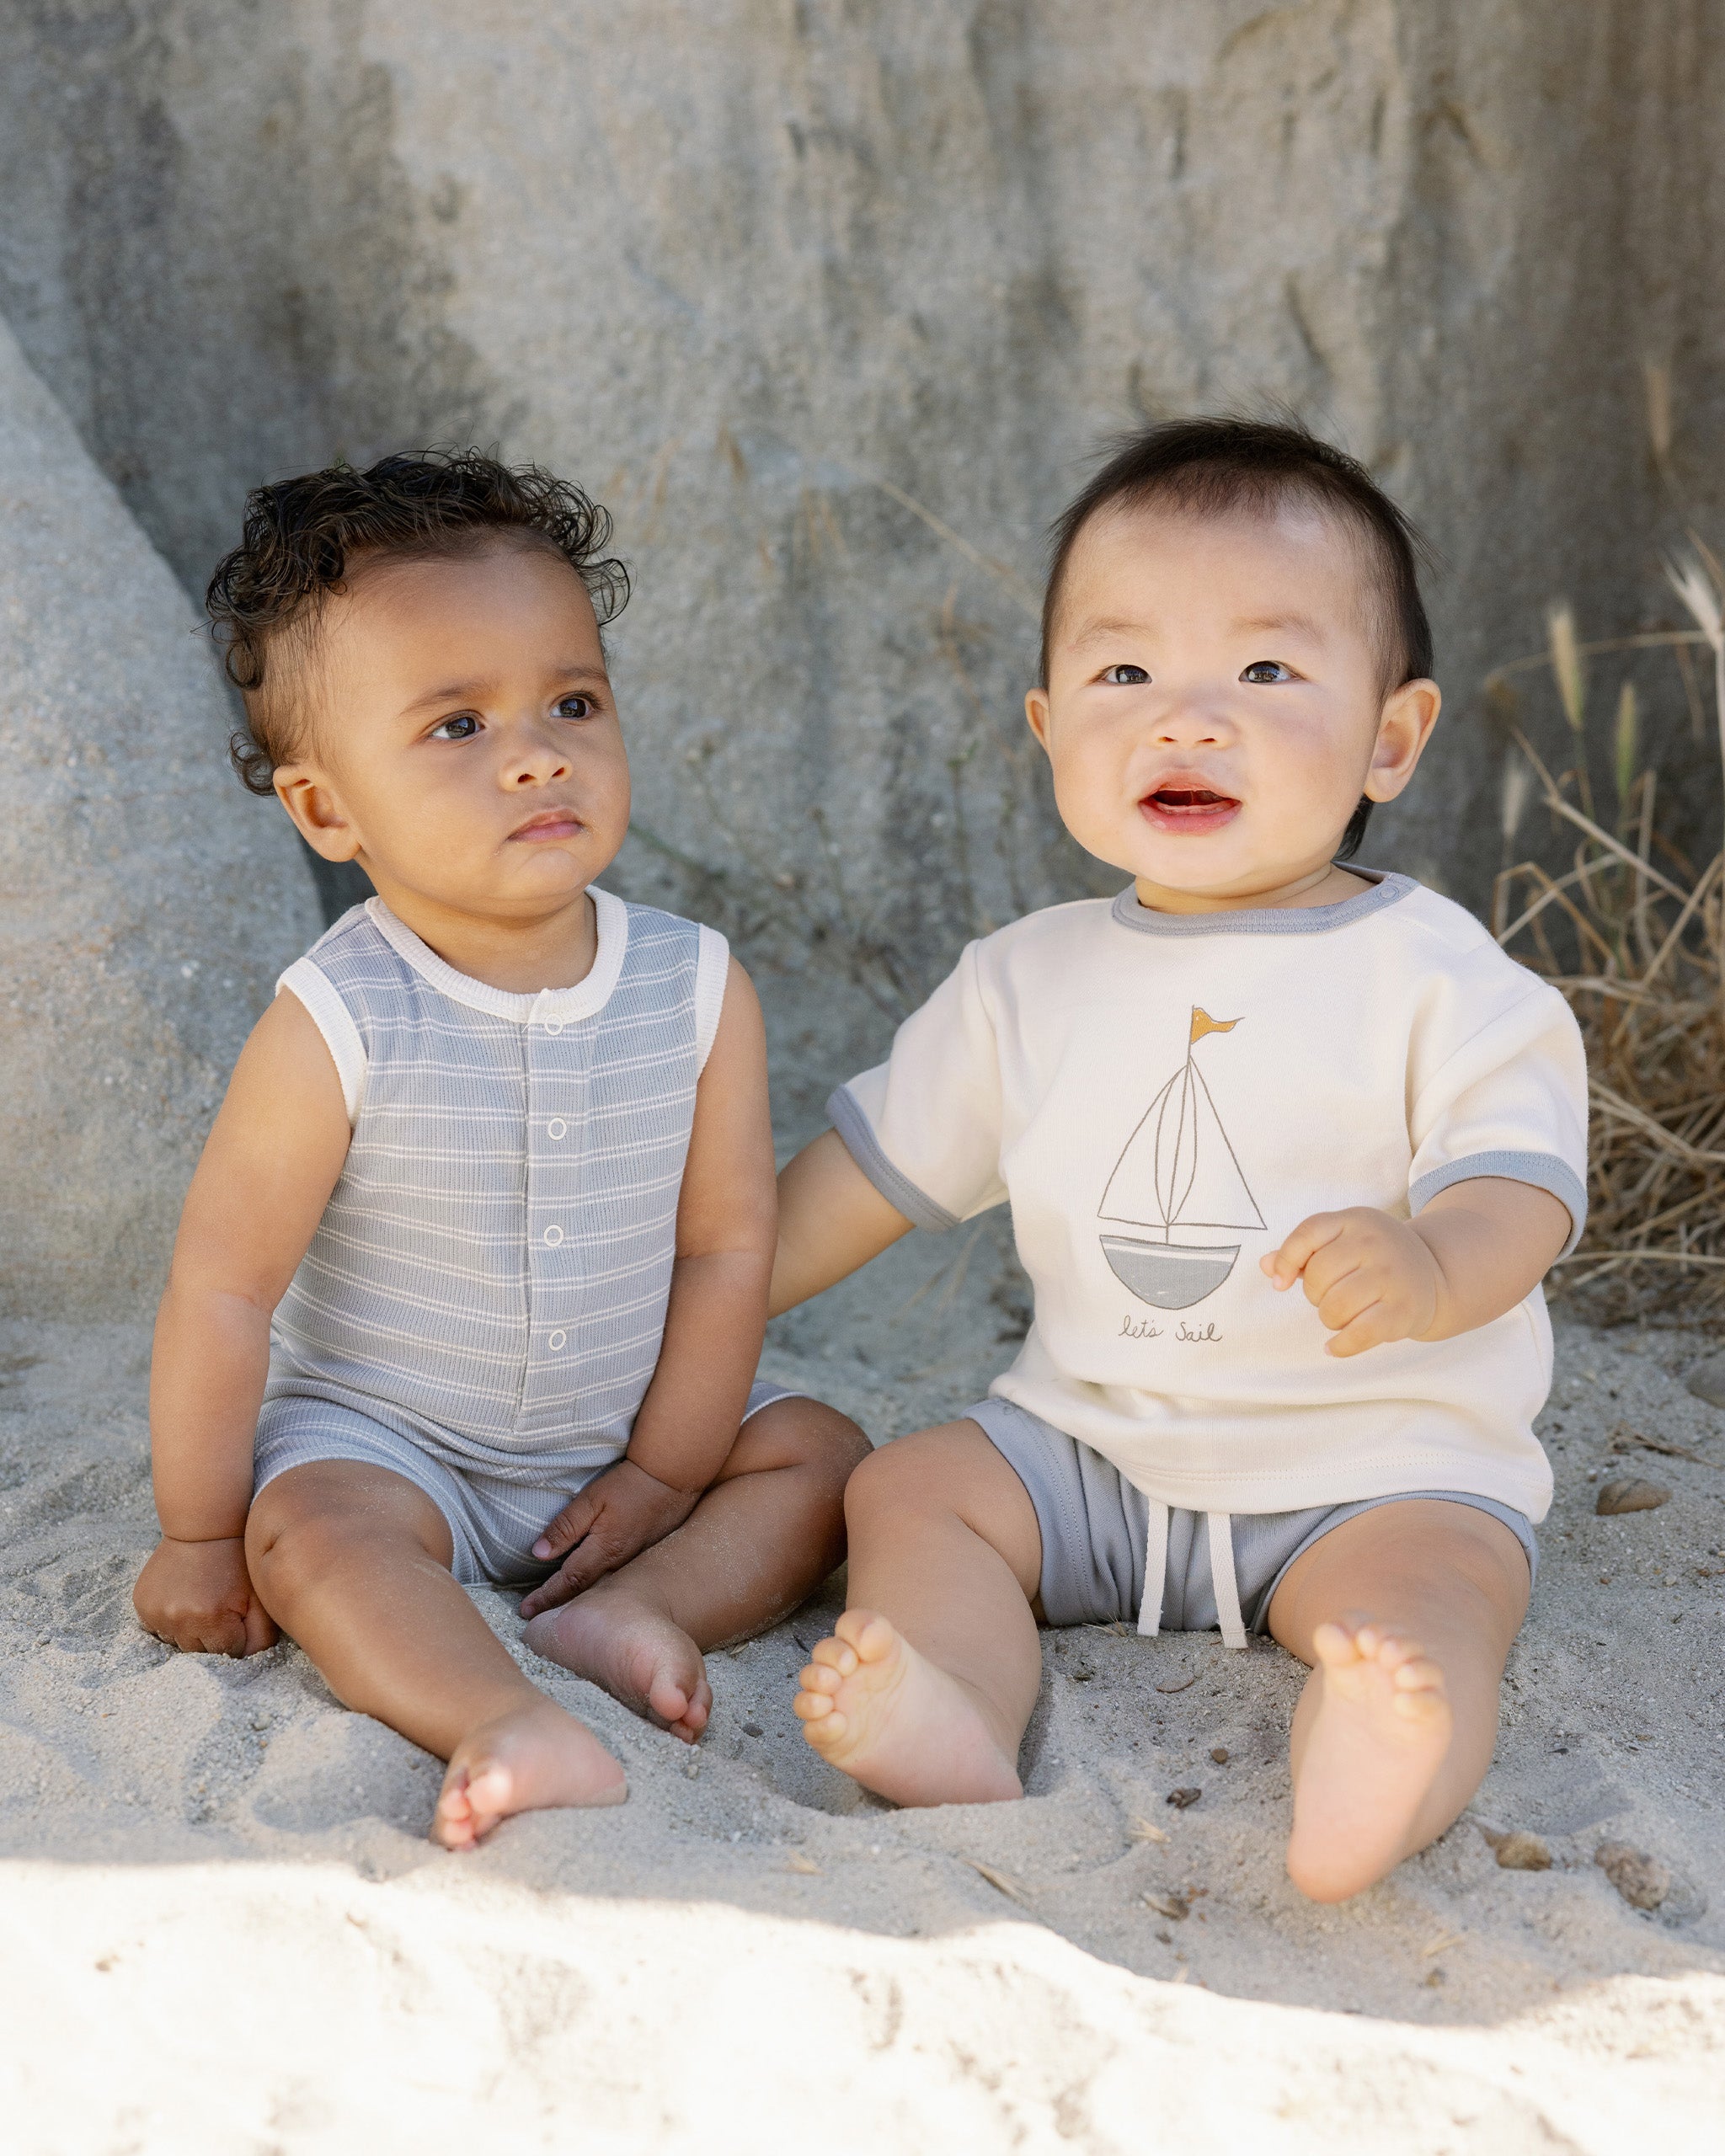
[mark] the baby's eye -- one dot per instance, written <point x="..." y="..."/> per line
<point x="1265" y="671"/>
<point x="574" y="706"/>
<point x="462" y="728"/>
<point x="1125" y="677"/>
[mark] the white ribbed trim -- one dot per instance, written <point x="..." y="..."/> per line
<point x="1223" y="1583"/>
<point x="1155" y="1570"/>
<point x="329" y="1015"/>
<point x="711" y="969"/>
<point x="554" y="1005"/>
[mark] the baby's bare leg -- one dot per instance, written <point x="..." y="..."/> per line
<point x="352" y="1561"/>
<point x="766" y="1534"/>
<point x="924" y="1692"/>
<point x="1407" y="1614"/>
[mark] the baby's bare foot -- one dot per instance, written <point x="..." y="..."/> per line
<point x="873" y="1706"/>
<point x="1382" y="1728"/>
<point x="634" y="1651"/>
<point x="531" y="1760"/>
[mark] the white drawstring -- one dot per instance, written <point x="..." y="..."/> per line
<point x="1155" y="1566"/>
<point x="1225" y="1586"/>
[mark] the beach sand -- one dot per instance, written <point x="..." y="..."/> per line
<point x="225" y="1930"/>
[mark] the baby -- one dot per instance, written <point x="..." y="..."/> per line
<point x="497" y="1164"/>
<point x="1255" y="1071"/>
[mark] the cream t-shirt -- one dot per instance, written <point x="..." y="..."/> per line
<point x="1162" y="1098"/>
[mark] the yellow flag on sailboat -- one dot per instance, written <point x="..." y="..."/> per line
<point x="1203" y="1023"/>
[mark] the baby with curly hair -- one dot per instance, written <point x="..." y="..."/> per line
<point x="471" y="1281"/>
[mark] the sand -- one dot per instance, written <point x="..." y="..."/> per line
<point x="225" y="1931"/>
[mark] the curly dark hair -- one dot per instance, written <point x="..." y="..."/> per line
<point x="304" y="537"/>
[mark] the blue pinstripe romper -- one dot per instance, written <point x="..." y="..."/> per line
<point x="482" y="1306"/>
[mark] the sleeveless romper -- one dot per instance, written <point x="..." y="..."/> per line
<point x="482" y="1306"/>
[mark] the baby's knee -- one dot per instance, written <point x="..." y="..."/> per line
<point x="910" y="1474"/>
<point x="293" y="1538"/>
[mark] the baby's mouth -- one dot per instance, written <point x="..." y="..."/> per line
<point x="1189" y="810"/>
<point x="548" y="823"/>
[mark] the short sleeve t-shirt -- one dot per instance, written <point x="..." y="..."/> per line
<point x="1162" y="1098"/>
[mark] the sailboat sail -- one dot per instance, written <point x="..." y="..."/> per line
<point x="1178" y="1168"/>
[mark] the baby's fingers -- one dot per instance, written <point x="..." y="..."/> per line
<point x="571" y="1524"/>
<point x="1371" y="1328"/>
<point x="1284" y="1266"/>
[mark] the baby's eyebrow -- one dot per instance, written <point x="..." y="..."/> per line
<point x="475" y="691"/>
<point x="1094" y="629"/>
<point x="1280" y="624"/>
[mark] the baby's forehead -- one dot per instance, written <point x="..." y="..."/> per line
<point x="1286" y="556"/>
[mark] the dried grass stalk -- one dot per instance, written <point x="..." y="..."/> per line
<point x="1639" y="954"/>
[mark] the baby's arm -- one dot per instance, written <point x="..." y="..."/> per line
<point x="832" y="1220"/>
<point x="727" y="1223"/>
<point x="1475" y="1251"/>
<point x="267" y="1171"/>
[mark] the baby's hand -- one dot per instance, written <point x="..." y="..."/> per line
<point x="620" y="1513"/>
<point x="1371" y="1278"/>
<point x="199" y="1596"/>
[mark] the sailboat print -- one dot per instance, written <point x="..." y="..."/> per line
<point x="1177" y="1172"/>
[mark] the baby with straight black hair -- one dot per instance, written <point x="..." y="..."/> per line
<point x="1256" y="1069"/>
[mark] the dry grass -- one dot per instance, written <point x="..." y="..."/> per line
<point x="1634" y="935"/>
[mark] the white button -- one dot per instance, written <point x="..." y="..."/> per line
<point x="553" y="1025"/>
<point x="553" y="1237"/>
<point x="557" y="1128"/>
<point x="558" y="1340"/>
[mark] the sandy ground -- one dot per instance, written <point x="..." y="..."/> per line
<point x="224" y="1931"/>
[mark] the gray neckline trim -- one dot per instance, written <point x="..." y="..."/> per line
<point x="559" y="1006"/>
<point x="1268" y="921"/>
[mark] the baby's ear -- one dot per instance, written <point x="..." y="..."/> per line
<point x="1036" y="716"/>
<point x="1405" y="726"/>
<point x="317" y="810"/>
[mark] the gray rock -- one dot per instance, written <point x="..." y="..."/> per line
<point x="1641" y="1880"/>
<point x="146" y="903"/>
<point x="1629" y="1493"/>
<point x="757" y="275"/>
<point x="1520" y="1852"/>
<point x="1706" y="1381"/>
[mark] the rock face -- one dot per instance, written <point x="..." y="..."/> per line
<point x="147" y="902"/>
<point x="831" y="305"/>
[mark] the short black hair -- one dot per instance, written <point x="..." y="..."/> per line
<point x="302" y="538"/>
<point x="1230" y="464"/>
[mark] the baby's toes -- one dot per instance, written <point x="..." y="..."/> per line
<point x="870" y="1634"/>
<point x="1336" y="1648"/>
<point x="834" y="1655"/>
<point x="1419" y="1685"/>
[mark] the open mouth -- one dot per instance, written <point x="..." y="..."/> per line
<point x="1188" y="810"/>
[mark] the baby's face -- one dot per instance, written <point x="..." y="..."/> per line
<point x="1214" y="706"/>
<point x="464" y="746"/>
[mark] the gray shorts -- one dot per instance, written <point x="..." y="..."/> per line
<point x="1096" y="1528"/>
<point x="493" y="1520"/>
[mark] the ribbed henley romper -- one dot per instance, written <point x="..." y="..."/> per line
<point x="482" y="1306"/>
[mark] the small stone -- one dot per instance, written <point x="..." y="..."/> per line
<point x="1523" y="1852"/>
<point x="1181" y="1798"/>
<point x="1628" y="1493"/>
<point x="751" y="1729"/>
<point x="1218" y="1753"/>
<point x="1175" y="1907"/>
<point x="1641" y="1880"/>
<point x="1706" y="1381"/>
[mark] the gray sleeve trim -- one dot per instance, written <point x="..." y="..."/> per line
<point x="1544" y="1171"/>
<point x="864" y="1149"/>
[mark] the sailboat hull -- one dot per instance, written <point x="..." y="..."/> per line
<point x="1169" y="1276"/>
